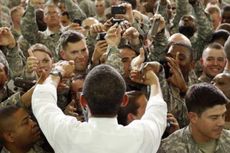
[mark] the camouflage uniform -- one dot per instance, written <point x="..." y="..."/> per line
<point x="88" y="7"/>
<point x="114" y="59"/>
<point x="15" y="59"/>
<point x="4" y="14"/>
<point x="15" y="33"/>
<point x="181" y="141"/>
<point x="158" y="49"/>
<point x="205" y="78"/>
<point x="30" y="31"/>
<point x="74" y="10"/>
<point x="204" y="31"/>
<point x="175" y="101"/>
<point x="13" y="3"/>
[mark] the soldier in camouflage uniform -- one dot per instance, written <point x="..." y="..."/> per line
<point x="24" y="131"/>
<point x="206" y="108"/>
<point x="12" y="52"/>
<point x="51" y="36"/>
<point x="176" y="79"/>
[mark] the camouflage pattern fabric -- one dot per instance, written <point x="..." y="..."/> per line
<point x="181" y="141"/>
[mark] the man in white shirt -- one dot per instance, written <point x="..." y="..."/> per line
<point x="103" y="94"/>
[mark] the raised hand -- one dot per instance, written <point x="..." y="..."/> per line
<point x="177" y="78"/>
<point x="31" y="62"/>
<point x="136" y="63"/>
<point x="100" y="49"/>
<point x="6" y="38"/>
<point x="113" y="36"/>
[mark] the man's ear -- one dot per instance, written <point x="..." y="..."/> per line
<point x="8" y="136"/>
<point x="125" y="101"/>
<point x="83" y="101"/>
<point x="193" y="117"/>
<point x="130" y="118"/>
<point x="62" y="54"/>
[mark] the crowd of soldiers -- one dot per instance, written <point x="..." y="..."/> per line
<point x="185" y="43"/>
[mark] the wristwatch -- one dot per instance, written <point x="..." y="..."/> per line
<point x="56" y="72"/>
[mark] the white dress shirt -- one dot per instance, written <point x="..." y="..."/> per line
<point x="99" y="135"/>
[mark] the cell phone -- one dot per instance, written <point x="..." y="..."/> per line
<point x="164" y="63"/>
<point x="101" y="36"/>
<point x="118" y="9"/>
<point x="114" y="21"/>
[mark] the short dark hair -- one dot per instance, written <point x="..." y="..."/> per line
<point x="214" y="46"/>
<point x="202" y="96"/>
<point x="219" y="34"/>
<point x="42" y="48"/>
<point x="104" y="89"/>
<point x="227" y="48"/>
<point x="5" y="114"/>
<point x="224" y="26"/>
<point x="131" y="107"/>
<point x="70" y="36"/>
<point x="225" y="9"/>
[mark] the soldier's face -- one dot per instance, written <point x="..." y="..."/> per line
<point x="25" y="131"/>
<point x="210" y="123"/>
<point x="126" y="56"/>
<point x="216" y="19"/>
<point x="45" y="62"/>
<point x="213" y="61"/>
<point x="78" y="52"/>
<point x="51" y="16"/>
<point x="185" y="59"/>
<point x="100" y="7"/>
<point x="3" y="75"/>
<point x="222" y="81"/>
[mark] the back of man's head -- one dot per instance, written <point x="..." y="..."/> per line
<point x="203" y="96"/>
<point x="104" y="89"/>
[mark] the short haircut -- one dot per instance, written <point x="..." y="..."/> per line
<point x="42" y="48"/>
<point x="69" y="36"/>
<point x="225" y="9"/>
<point x="14" y="10"/>
<point x="219" y="34"/>
<point x="213" y="9"/>
<point x="104" y="89"/>
<point x="203" y="96"/>
<point x="214" y="46"/>
<point x="224" y="26"/>
<point x="131" y="107"/>
<point x="227" y="48"/>
<point x="5" y="115"/>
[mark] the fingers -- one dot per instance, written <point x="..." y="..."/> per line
<point x="137" y="61"/>
<point x="97" y="28"/>
<point x="42" y="77"/>
<point x="30" y="52"/>
<point x="131" y="32"/>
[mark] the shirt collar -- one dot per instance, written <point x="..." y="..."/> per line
<point x="102" y="121"/>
